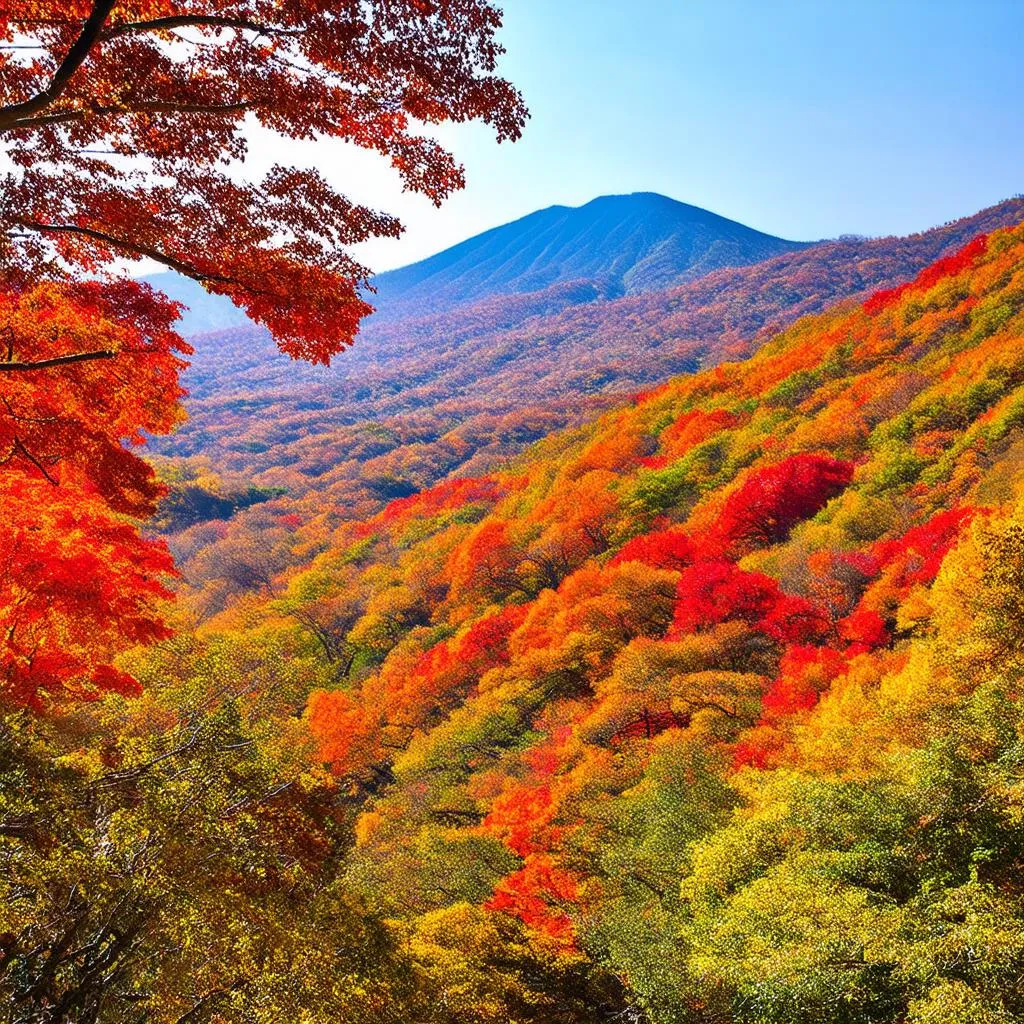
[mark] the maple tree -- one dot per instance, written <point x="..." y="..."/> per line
<point x="77" y="581"/>
<point x="772" y="500"/>
<point x="68" y="423"/>
<point x="121" y="120"/>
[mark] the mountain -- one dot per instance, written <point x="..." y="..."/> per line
<point x="202" y="311"/>
<point x="714" y="702"/>
<point x="630" y="243"/>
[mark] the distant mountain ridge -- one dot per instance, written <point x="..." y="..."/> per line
<point x="632" y="243"/>
<point x="627" y="244"/>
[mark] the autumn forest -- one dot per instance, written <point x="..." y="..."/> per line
<point x="616" y="618"/>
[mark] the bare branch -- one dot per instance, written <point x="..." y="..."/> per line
<point x="19" y="445"/>
<point x="145" y="107"/>
<point x="195" y="21"/>
<point x="124" y="245"/>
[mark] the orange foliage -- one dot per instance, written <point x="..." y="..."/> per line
<point x="77" y="582"/>
<point x="535" y="894"/>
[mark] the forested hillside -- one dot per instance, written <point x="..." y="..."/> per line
<point x="706" y="711"/>
<point x="420" y="400"/>
<point x="622" y="624"/>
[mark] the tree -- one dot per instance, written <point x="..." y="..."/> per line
<point x="67" y="609"/>
<point x="773" y="499"/>
<point x="77" y="582"/>
<point x="173" y="859"/>
<point x="712" y="592"/>
<point x="122" y="120"/>
<point x="664" y="549"/>
<point x="67" y="423"/>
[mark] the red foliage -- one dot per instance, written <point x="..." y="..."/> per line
<point x="804" y="672"/>
<point x="649" y="725"/>
<point x="482" y="647"/>
<point x="77" y="585"/>
<point x="898" y="565"/>
<point x="930" y="276"/>
<point x="864" y="630"/>
<point x="77" y="582"/>
<point x="533" y="894"/>
<point x="795" y="620"/>
<point x="524" y="814"/>
<point x="487" y="639"/>
<point x="278" y="247"/>
<point x="756" y="751"/>
<point x="68" y="423"/>
<point x="666" y="549"/>
<point x="772" y="500"/>
<point x="921" y="549"/>
<point x="448" y="494"/>
<point x="712" y="592"/>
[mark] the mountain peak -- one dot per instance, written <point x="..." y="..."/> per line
<point x="635" y="242"/>
<point x="628" y="244"/>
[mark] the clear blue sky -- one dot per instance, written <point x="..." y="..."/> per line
<point x="805" y="119"/>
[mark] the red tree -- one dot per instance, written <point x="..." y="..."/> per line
<point x="77" y="586"/>
<point x="120" y="120"/>
<point x="97" y="93"/>
<point x="771" y="501"/>
<point x="716" y="591"/>
<point x="665" y="549"/>
<point x="77" y="582"/>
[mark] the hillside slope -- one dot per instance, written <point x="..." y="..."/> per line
<point x="420" y="399"/>
<point x="717" y="697"/>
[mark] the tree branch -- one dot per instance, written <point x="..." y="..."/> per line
<point x="18" y="366"/>
<point x="145" y="107"/>
<point x="195" y="21"/>
<point x="20" y="446"/>
<point x="186" y="269"/>
<point x="76" y="56"/>
<point x="199" y="1006"/>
